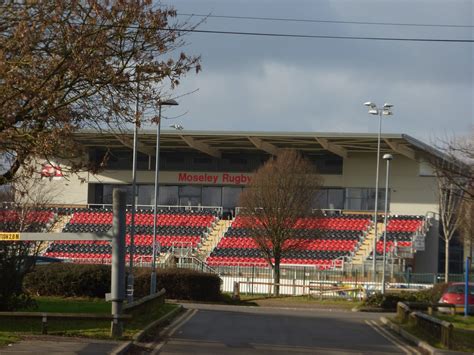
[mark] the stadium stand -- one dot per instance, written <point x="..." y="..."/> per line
<point x="321" y="242"/>
<point x="177" y="227"/>
<point x="12" y="220"/>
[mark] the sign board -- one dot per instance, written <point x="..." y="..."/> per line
<point x="419" y="243"/>
<point x="9" y="236"/>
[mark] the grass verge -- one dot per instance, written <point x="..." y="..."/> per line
<point x="7" y="338"/>
<point x="12" y="328"/>
<point x="462" y="340"/>
<point x="290" y="301"/>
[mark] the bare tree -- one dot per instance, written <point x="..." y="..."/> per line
<point x="466" y="228"/>
<point x="456" y="166"/>
<point x="454" y="171"/>
<point x="279" y="195"/>
<point x="20" y="212"/>
<point x="69" y="65"/>
<point x="450" y="199"/>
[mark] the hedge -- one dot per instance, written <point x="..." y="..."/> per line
<point x="78" y="280"/>
<point x="181" y="284"/>
<point x="68" y="280"/>
<point x="390" y="300"/>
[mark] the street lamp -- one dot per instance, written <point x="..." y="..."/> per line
<point x="157" y="172"/>
<point x="388" y="158"/>
<point x="385" y="111"/>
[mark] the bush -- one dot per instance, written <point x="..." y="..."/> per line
<point x="77" y="280"/>
<point x="434" y="294"/>
<point x="180" y="284"/>
<point x="389" y="301"/>
<point x="69" y="280"/>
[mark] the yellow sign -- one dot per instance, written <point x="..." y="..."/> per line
<point x="9" y="236"/>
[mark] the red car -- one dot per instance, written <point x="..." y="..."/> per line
<point x="455" y="295"/>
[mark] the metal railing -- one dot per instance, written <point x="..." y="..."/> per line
<point x="218" y="209"/>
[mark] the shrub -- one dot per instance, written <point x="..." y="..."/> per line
<point x="434" y="294"/>
<point x="180" y="284"/>
<point x="69" y="280"/>
<point x="389" y="301"/>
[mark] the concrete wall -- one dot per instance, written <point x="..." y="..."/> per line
<point x="410" y="192"/>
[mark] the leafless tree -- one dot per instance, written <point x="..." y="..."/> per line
<point x="454" y="170"/>
<point x="450" y="199"/>
<point x="69" y="65"/>
<point x="466" y="228"/>
<point x="19" y="212"/>
<point x="279" y="195"/>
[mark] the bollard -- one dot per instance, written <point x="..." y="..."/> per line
<point x="44" y="324"/>
<point x="236" y="293"/>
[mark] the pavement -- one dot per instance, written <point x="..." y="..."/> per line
<point x="60" y="345"/>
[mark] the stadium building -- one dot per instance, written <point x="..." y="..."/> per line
<point x="210" y="168"/>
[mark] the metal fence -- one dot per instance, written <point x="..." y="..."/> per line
<point x="303" y="280"/>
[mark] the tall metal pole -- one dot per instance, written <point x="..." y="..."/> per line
<point x="118" y="260"/>
<point x="385" y="224"/>
<point x="374" y="249"/>
<point x="130" y="280"/>
<point x="155" y="212"/>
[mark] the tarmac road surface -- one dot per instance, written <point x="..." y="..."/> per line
<point x="211" y="329"/>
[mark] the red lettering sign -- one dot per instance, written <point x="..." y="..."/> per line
<point x="227" y="178"/>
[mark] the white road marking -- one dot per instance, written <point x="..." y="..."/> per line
<point x="170" y="331"/>
<point x="405" y="348"/>
<point x="385" y="331"/>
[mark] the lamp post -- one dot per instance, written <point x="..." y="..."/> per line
<point x="130" y="279"/>
<point x="385" y="111"/>
<point x="388" y="158"/>
<point x="157" y="172"/>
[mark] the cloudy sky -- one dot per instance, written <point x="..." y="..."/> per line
<point x="298" y="84"/>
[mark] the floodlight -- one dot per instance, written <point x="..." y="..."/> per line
<point x="387" y="157"/>
<point x="369" y="104"/>
<point x="387" y="105"/>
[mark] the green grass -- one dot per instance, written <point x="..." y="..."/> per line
<point x="7" y="338"/>
<point x="12" y="328"/>
<point x="462" y="340"/>
<point x="289" y="301"/>
<point x="459" y="321"/>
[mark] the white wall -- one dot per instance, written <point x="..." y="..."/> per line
<point x="411" y="193"/>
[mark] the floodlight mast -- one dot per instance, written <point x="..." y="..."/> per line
<point x="385" y="111"/>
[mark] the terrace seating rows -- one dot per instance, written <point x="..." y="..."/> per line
<point x="26" y="221"/>
<point x="324" y="223"/>
<point x="144" y="219"/>
<point x="321" y="264"/>
<point x="319" y="238"/>
<point x="161" y="230"/>
<point x="307" y="244"/>
<point x="302" y="233"/>
<point x="186" y="229"/>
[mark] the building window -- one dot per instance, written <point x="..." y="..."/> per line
<point x="363" y="199"/>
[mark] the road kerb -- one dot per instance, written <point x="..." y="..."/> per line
<point x="123" y="348"/>
<point x="415" y="340"/>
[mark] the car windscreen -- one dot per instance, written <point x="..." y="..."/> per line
<point x="460" y="289"/>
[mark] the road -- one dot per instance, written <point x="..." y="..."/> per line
<point x="211" y="329"/>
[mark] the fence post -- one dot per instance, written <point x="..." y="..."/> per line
<point x="44" y="324"/>
<point x="294" y="287"/>
<point x="253" y="277"/>
<point x="446" y="335"/>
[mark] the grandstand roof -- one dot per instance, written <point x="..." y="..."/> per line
<point x="215" y="143"/>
